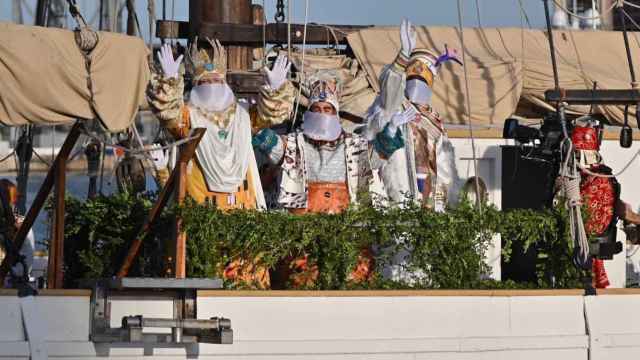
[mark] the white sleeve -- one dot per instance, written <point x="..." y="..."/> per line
<point x="392" y="84"/>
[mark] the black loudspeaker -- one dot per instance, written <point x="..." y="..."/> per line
<point x="528" y="178"/>
<point x="528" y="182"/>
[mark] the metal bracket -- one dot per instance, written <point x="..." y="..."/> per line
<point x="185" y="326"/>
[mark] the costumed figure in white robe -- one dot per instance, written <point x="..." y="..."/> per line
<point x="424" y="170"/>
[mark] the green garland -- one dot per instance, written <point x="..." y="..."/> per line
<point x="445" y="248"/>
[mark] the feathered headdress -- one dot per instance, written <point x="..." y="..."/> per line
<point x="424" y="64"/>
<point x="202" y="67"/>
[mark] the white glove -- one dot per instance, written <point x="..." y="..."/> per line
<point x="277" y="77"/>
<point x="159" y="158"/>
<point x="408" y="37"/>
<point x="401" y="118"/>
<point x="169" y="66"/>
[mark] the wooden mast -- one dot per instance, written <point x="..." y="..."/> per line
<point x="202" y="12"/>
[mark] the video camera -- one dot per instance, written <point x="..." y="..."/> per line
<point x="547" y="138"/>
<point x="538" y="163"/>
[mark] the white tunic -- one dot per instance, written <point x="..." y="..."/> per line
<point x="225" y="155"/>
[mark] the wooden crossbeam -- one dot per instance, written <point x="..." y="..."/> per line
<point x="596" y="97"/>
<point x="249" y="34"/>
<point x="175" y="184"/>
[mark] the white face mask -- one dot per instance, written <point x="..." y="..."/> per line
<point x="418" y="92"/>
<point x="212" y="97"/>
<point x="321" y="127"/>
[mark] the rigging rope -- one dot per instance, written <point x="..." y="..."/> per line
<point x="628" y="4"/>
<point x="145" y="154"/>
<point x="8" y="156"/>
<point x="41" y="158"/>
<point x="332" y="31"/>
<point x="131" y="9"/>
<point x="468" y="105"/>
<point x="304" y="51"/>
<point x="570" y="184"/>
<point x="524" y="14"/>
<point x="136" y="151"/>
<point x="634" y="23"/>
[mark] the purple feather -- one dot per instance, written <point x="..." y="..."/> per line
<point x="453" y="56"/>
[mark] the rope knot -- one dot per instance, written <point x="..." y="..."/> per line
<point x="86" y="38"/>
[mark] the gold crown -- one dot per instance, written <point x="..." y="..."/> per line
<point x="423" y="65"/>
<point x="203" y="67"/>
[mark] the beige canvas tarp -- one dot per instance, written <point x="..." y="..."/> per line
<point x="44" y="80"/>
<point x="356" y="92"/>
<point x="506" y="66"/>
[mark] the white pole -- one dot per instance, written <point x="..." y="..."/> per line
<point x="593" y="11"/>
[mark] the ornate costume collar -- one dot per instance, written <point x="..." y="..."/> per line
<point x="222" y="119"/>
<point x="326" y="145"/>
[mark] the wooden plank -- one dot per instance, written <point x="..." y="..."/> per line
<point x="164" y="283"/>
<point x="252" y="34"/>
<point x="50" y="292"/>
<point x="180" y="249"/>
<point x="388" y="293"/>
<point x="40" y="199"/>
<point x="629" y="291"/>
<point x="187" y="151"/>
<point x="155" y="212"/>
<point x="55" y="272"/>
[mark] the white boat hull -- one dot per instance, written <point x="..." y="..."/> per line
<point x="354" y="325"/>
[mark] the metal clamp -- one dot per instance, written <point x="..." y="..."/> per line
<point x="185" y="326"/>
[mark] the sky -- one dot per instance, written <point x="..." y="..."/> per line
<point x="493" y="13"/>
